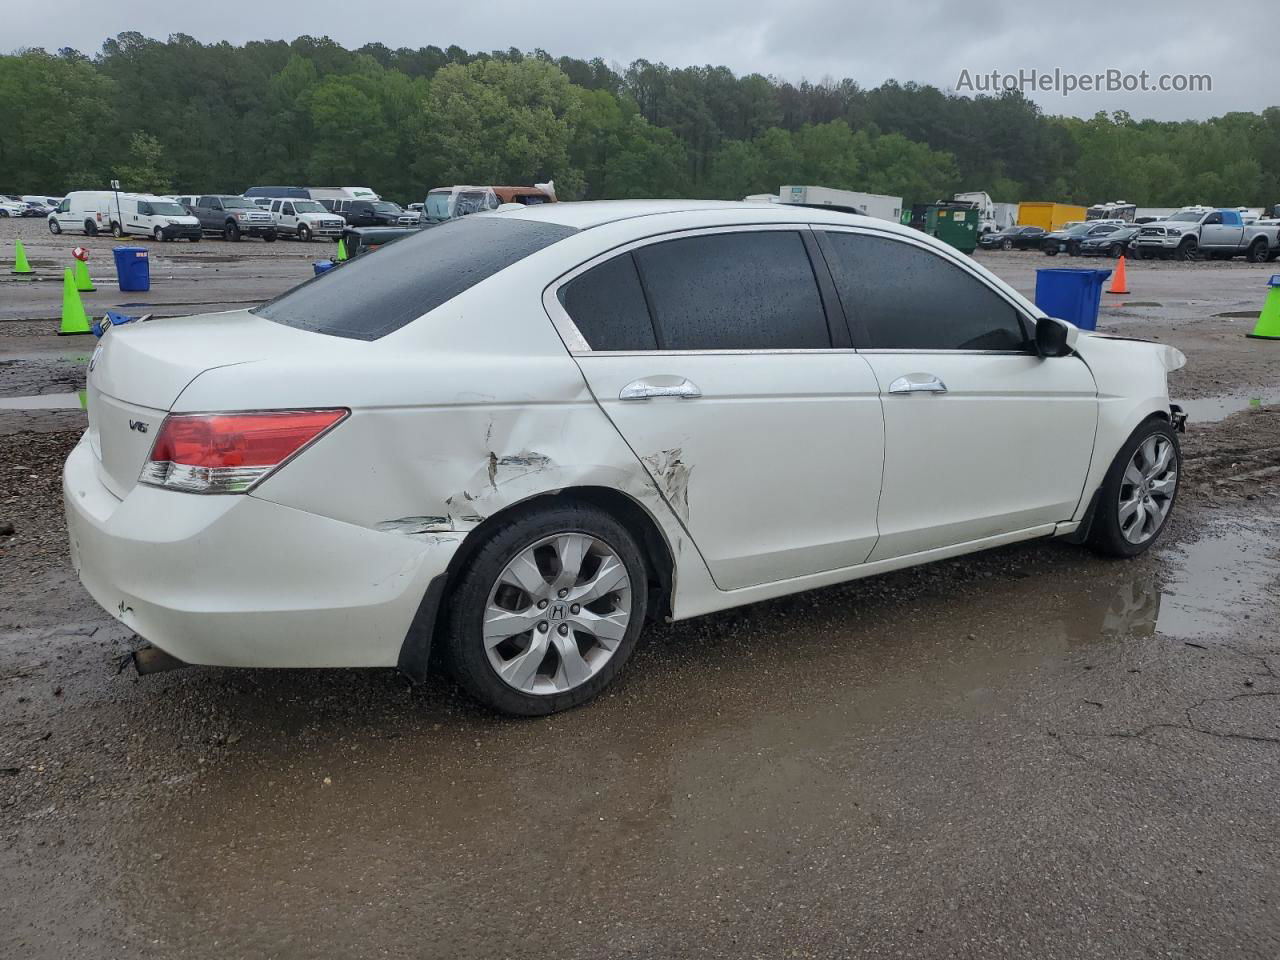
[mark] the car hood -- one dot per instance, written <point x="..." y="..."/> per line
<point x="1094" y="343"/>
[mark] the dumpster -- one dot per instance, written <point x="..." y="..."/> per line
<point x="1071" y="295"/>
<point x="133" y="269"/>
<point x="953" y="224"/>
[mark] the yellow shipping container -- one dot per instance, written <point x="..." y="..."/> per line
<point x="1051" y="216"/>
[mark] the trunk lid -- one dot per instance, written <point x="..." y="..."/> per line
<point x="139" y="370"/>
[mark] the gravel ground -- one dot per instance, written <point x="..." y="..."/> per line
<point x="1025" y="753"/>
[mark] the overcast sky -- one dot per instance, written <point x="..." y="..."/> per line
<point x="930" y="41"/>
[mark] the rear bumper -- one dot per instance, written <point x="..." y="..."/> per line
<point x="241" y="582"/>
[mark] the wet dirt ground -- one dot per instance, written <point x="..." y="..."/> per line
<point x="1026" y="753"/>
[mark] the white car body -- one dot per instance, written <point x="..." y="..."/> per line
<point x="12" y="207"/>
<point x="792" y="469"/>
<point x="290" y="214"/>
<point x="84" y="211"/>
<point x="142" y="214"/>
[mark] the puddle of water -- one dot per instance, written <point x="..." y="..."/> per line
<point x="1217" y="581"/>
<point x="1214" y="409"/>
<point x="48" y="401"/>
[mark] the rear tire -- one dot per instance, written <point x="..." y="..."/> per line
<point x="1258" y="251"/>
<point x="1137" y="495"/>
<point x="486" y="589"/>
<point x="90" y="228"/>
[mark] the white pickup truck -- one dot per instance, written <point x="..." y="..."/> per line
<point x="305" y="219"/>
<point x="1211" y="234"/>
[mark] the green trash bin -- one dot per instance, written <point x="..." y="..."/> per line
<point x="956" y="226"/>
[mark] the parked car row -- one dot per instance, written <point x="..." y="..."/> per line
<point x="26" y="206"/>
<point x="1190" y="234"/>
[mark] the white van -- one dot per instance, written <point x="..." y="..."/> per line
<point x="327" y="195"/>
<point x="160" y="218"/>
<point x="84" y="211"/>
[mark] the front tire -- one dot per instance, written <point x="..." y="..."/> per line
<point x="117" y="230"/>
<point x="231" y="233"/>
<point x="1006" y="244"/>
<point x="1137" y="496"/>
<point x="304" y="233"/>
<point x="54" y="227"/>
<point x="158" y="235"/>
<point x="1187" y="250"/>
<point x="548" y="610"/>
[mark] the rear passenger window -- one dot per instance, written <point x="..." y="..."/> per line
<point x="734" y="291"/>
<point x="607" y="306"/>
<point x="909" y="298"/>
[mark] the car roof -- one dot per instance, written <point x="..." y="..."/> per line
<point x="583" y="215"/>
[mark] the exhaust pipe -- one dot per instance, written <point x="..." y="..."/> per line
<point x="151" y="659"/>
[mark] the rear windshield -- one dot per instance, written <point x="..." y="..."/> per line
<point x="379" y="292"/>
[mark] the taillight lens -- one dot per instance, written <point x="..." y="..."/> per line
<point x="230" y="452"/>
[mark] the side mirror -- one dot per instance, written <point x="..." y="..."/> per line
<point x="1055" y="338"/>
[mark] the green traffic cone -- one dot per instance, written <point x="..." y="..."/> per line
<point x="84" y="399"/>
<point x="80" y="273"/>
<point x="342" y="251"/>
<point x="1268" y="326"/>
<point x="74" y="320"/>
<point x="20" y="264"/>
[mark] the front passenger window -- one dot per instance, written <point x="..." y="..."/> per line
<point x="909" y="298"/>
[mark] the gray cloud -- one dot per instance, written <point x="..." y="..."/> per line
<point x="928" y="41"/>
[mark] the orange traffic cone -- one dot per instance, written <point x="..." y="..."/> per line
<point x="1118" y="284"/>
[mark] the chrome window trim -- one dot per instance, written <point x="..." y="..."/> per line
<point x="950" y="257"/>
<point x="577" y="344"/>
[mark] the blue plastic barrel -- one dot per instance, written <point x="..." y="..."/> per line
<point x="1071" y="295"/>
<point x="322" y="266"/>
<point x="133" y="269"/>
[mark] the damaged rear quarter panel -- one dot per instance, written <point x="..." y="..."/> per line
<point x="452" y="424"/>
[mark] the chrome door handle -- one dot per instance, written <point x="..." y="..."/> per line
<point x="918" y="383"/>
<point x="650" y="387"/>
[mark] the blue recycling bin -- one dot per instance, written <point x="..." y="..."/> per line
<point x="133" y="269"/>
<point x="321" y="266"/>
<point x="1071" y="295"/>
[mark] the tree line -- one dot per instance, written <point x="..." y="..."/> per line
<point x="180" y="115"/>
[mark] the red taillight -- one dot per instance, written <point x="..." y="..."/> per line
<point x="230" y="452"/>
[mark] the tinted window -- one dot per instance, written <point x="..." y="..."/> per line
<point x="734" y="291"/>
<point x="376" y="293"/>
<point x="608" y="308"/>
<point x="1213" y="218"/>
<point x="908" y="298"/>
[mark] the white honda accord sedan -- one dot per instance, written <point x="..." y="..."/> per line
<point x="518" y="435"/>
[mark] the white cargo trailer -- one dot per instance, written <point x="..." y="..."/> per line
<point x="870" y="204"/>
<point x="1005" y="215"/>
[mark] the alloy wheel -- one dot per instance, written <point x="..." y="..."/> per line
<point x="557" y="613"/>
<point x="1147" y="489"/>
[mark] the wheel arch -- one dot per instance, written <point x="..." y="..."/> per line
<point x="416" y="650"/>
<point x="624" y="508"/>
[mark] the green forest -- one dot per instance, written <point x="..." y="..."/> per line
<point x="180" y="115"/>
